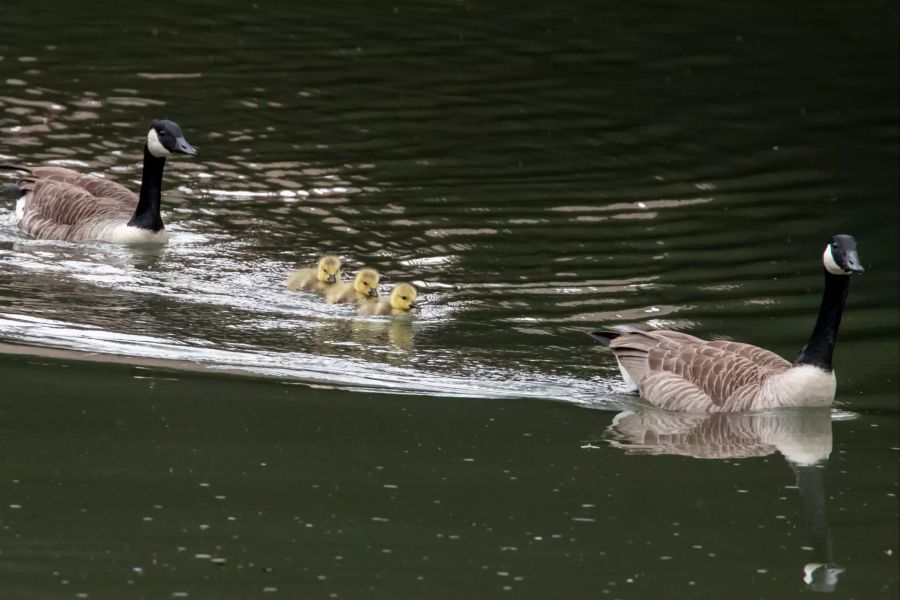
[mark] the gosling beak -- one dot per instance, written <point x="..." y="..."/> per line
<point x="851" y="262"/>
<point x="413" y="305"/>
<point x="182" y="147"/>
<point x="373" y="292"/>
<point x="332" y="278"/>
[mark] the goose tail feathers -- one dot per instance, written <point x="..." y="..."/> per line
<point x="14" y="167"/>
<point x="605" y="337"/>
<point x="14" y="190"/>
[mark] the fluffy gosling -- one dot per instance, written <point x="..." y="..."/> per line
<point x="363" y="286"/>
<point x="325" y="274"/>
<point x="401" y="301"/>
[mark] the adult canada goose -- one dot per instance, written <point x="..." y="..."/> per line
<point x="326" y="273"/>
<point x="55" y="203"/>
<point x="676" y="371"/>
<point x="363" y="287"/>
<point x="401" y="301"/>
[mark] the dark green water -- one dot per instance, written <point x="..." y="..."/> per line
<point x="538" y="170"/>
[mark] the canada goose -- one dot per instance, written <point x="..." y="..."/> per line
<point x="55" y="203"/>
<point x="401" y="300"/>
<point x="676" y="371"/>
<point x="363" y="286"/>
<point x="324" y="274"/>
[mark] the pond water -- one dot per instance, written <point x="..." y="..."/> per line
<point x="175" y="423"/>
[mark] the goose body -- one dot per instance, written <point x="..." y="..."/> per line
<point x="61" y="204"/>
<point x="304" y="279"/>
<point x="676" y="371"/>
<point x="680" y="372"/>
<point x="364" y="286"/>
<point x="56" y="203"/>
<point x="401" y="300"/>
<point x="317" y="279"/>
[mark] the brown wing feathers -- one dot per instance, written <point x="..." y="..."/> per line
<point x="62" y="202"/>
<point x="680" y="371"/>
<point x="93" y="185"/>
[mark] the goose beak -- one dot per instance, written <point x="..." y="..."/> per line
<point x="413" y="305"/>
<point x="373" y="292"/>
<point x="851" y="262"/>
<point x="182" y="147"/>
<point x="332" y="278"/>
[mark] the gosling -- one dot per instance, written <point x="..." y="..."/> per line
<point x="363" y="286"/>
<point x="323" y="276"/>
<point x="400" y="302"/>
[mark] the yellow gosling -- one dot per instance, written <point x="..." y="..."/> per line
<point x="324" y="275"/>
<point x="401" y="301"/>
<point x="364" y="285"/>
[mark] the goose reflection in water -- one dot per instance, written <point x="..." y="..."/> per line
<point x="802" y="436"/>
<point x="395" y="333"/>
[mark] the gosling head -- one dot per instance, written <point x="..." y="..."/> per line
<point x="840" y="256"/>
<point x="329" y="269"/>
<point x="165" y="138"/>
<point x="366" y="282"/>
<point x="403" y="297"/>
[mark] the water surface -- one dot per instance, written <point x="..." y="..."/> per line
<point x="538" y="170"/>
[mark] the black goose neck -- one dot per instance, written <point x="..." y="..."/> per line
<point x="819" y="349"/>
<point x="146" y="215"/>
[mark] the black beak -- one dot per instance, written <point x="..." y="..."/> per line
<point x="413" y="305"/>
<point x="332" y="278"/>
<point x="851" y="262"/>
<point x="182" y="147"/>
<point x="373" y="292"/>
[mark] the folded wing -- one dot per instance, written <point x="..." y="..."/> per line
<point x="677" y="371"/>
<point x="63" y="204"/>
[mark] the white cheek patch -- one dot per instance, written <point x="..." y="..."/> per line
<point x="155" y="146"/>
<point x="830" y="264"/>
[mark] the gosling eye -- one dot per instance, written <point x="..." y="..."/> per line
<point x="404" y="298"/>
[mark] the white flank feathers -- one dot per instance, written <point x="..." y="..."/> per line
<point x="803" y="385"/>
<point x="626" y="376"/>
<point x="121" y="233"/>
<point x="20" y="207"/>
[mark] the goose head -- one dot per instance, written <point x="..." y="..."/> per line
<point x="840" y="256"/>
<point x="366" y="282"/>
<point x="328" y="269"/>
<point x="403" y="297"/>
<point x="165" y="138"/>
